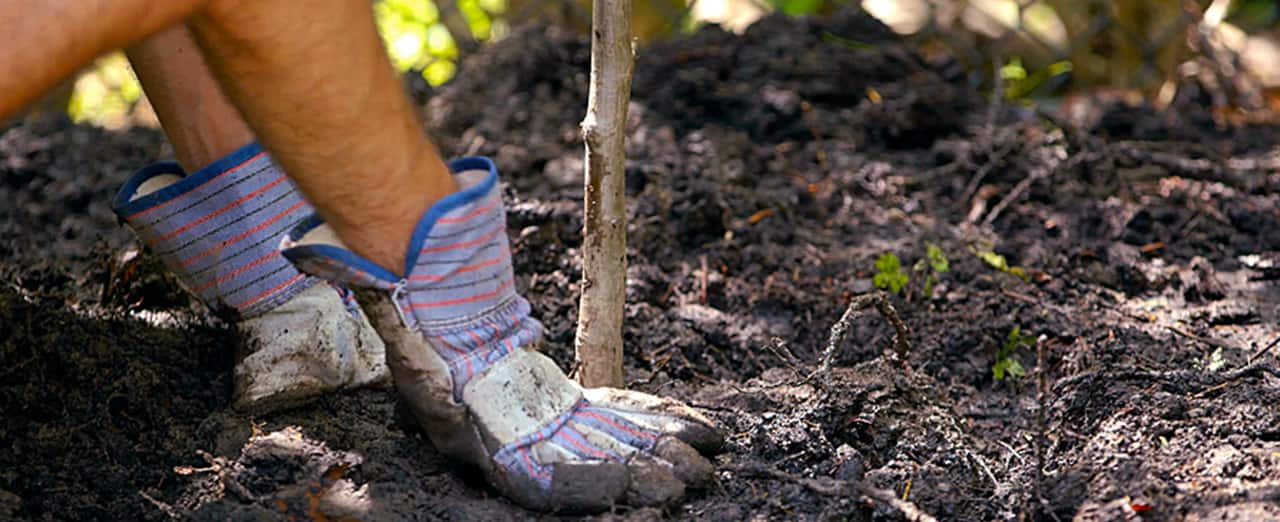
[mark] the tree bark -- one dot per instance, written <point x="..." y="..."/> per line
<point x="598" y="346"/>
<point x="458" y="27"/>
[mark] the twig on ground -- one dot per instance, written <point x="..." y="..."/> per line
<point x="1018" y="190"/>
<point x="994" y="159"/>
<point x="1206" y="340"/>
<point x="1042" y="424"/>
<point x="881" y="302"/>
<point x="779" y="348"/>
<point x="1202" y="378"/>
<point x="1263" y="351"/>
<point x="162" y="506"/>
<point x="1180" y="165"/>
<point x="837" y="488"/>
<point x="703" y="280"/>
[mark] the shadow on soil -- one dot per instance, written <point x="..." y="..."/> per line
<point x="1139" y="249"/>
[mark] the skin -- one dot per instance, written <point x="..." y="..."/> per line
<point x="58" y="37"/>
<point x="197" y="117"/>
<point x="312" y="81"/>
<point x="310" y="77"/>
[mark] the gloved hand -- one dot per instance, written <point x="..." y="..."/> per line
<point x="219" y="230"/>
<point x="459" y="343"/>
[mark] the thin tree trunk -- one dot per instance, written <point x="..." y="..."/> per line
<point x="598" y="345"/>
<point x="456" y="23"/>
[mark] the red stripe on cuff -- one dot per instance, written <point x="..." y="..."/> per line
<point x="238" y="271"/>
<point x="220" y="211"/>
<point x="198" y="187"/>
<point x="469" y="268"/>
<point x="268" y="292"/>
<point x="465" y="217"/>
<point x="454" y="246"/>
<point x="464" y="300"/>
<point x="244" y="234"/>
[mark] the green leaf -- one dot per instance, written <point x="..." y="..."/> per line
<point x="937" y="259"/>
<point x="890" y="276"/>
<point x="1013" y="335"/>
<point x="797" y="7"/>
<point x="891" y="281"/>
<point x="1018" y="271"/>
<point x="1016" y="339"/>
<point x="1015" y="368"/>
<point x="881" y="281"/>
<point x="1007" y="367"/>
<point x="1013" y="70"/>
<point x="994" y="260"/>
<point x="888" y="262"/>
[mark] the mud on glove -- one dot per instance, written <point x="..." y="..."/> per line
<point x="218" y="230"/>
<point x="460" y="347"/>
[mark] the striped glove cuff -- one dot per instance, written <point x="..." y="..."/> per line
<point x="459" y="291"/>
<point x="219" y="228"/>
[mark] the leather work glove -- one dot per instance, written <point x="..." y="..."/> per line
<point x="460" y="347"/>
<point x="219" y="230"/>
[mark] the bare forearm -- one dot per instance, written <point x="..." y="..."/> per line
<point x="49" y="40"/>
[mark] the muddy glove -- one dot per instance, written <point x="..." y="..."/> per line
<point x="459" y="344"/>
<point x="219" y="230"/>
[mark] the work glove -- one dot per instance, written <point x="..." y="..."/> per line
<point x="218" y="230"/>
<point x="460" y="347"/>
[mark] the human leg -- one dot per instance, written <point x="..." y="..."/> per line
<point x="283" y="64"/>
<point x="218" y="230"/>
<point x="49" y="40"/>
<point x="197" y="117"/>
<point x="428" y="247"/>
<point x="315" y="83"/>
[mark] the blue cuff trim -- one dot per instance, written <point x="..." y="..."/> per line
<point x="124" y="207"/>
<point x="341" y="255"/>
<point x="433" y="214"/>
<point x="450" y="202"/>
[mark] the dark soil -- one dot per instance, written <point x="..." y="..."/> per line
<point x="767" y="172"/>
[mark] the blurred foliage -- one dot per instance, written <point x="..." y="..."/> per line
<point x="418" y="40"/>
<point x="797" y="7"/>
<point x="105" y="94"/>
<point x="1043" y="48"/>
<point x="806" y="7"/>
<point x="651" y="20"/>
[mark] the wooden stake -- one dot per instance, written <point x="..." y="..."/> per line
<point x="598" y="345"/>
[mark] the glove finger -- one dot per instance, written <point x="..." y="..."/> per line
<point x="652" y="482"/>
<point x="661" y="414"/>
<point x="587" y="486"/>
<point x="609" y="436"/>
<point x="689" y="466"/>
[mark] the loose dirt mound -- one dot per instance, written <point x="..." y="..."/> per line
<point x="767" y="173"/>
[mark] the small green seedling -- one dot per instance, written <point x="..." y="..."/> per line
<point x="999" y="262"/>
<point x="934" y="263"/>
<point x="889" y="275"/>
<point x="1005" y="364"/>
<point x="1021" y="83"/>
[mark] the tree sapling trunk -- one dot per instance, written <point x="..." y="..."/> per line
<point x="598" y="346"/>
